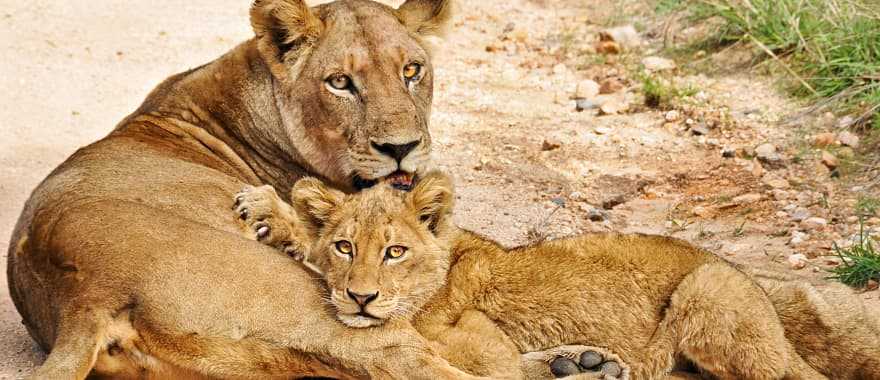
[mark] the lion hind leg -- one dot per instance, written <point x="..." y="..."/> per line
<point x="79" y="340"/>
<point x="574" y="362"/>
<point x="723" y="322"/>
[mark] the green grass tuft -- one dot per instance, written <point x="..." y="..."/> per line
<point x="830" y="47"/>
<point x="860" y="262"/>
<point x="661" y="92"/>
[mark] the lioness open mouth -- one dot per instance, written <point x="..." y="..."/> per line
<point x="400" y="180"/>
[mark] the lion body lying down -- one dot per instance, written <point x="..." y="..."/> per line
<point x="388" y="256"/>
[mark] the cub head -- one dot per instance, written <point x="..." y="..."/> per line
<point x="383" y="252"/>
<point x="353" y="81"/>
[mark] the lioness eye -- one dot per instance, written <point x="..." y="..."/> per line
<point x="395" y="252"/>
<point x="412" y="70"/>
<point x="339" y="81"/>
<point x="344" y="247"/>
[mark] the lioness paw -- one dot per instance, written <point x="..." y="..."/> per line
<point x="267" y="219"/>
<point x="575" y="362"/>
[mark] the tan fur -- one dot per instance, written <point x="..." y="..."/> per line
<point x="125" y="260"/>
<point x="649" y="299"/>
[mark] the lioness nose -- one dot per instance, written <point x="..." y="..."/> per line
<point x="396" y="151"/>
<point x="362" y="299"/>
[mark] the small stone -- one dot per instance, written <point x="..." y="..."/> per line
<point x="700" y="129"/>
<point x="602" y="130"/>
<point x="658" y="64"/>
<point x="596" y="215"/>
<point x="611" y="85"/>
<point x="800" y="214"/>
<point x="672" y="116"/>
<point x="798" y="238"/>
<point x="747" y="199"/>
<point x="559" y="68"/>
<point x="814" y="223"/>
<point x="550" y="144"/>
<point x="728" y="152"/>
<point x="779" y="195"/>
<point x="852" y="219"/>
<point x="781" y="214"/>
<point x="608" y="47"/>
<point x="849" y="139"/>
<point x="775" y="182"/>
<point x="824" y="139"/>
<point x="767" y="153"/>
<point x="798" y="261"/>
<point x="829" y="160"/>
<point x="872" y="285"/>
<point x="626" y="36"/>
<point x="700" y="211"/>
<point x="584" y="104"/>
<point x="586" y="89"/>
<point x="611" y="107"/>
<point x="576" y="196"/>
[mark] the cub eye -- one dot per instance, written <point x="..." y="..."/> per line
<point x="344" y="247"/>
<point x="339" y="81"/>
<point x="394" y="252"/>
<point x="412" y="70"/>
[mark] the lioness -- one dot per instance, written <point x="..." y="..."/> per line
<point x="125" y="262"/>
<point x="390" y="256"/>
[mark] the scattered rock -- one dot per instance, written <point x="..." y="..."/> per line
<point x="800" y="214"/>
<point x="767" y="154"/>
<point x="701" y="211"/>
<point x="611" y="107"/>
<point x="576" y="196"/>
<point x="672" y="116"/>
<point x="845" y="122"/>
<point x="829" y="160"/>
<point x="872" y="285"/>
<point x="626" y="36"/>
<point x="849" y="139"/>
<point x="780" y="195"/>
<point x="775" y="182"/>
<point x="607" y="47"/>
<point x="611" y="85"/>
<point x="824" y="139"/>
<point x="700" y="129"/>
<point x="728" y="152"/>
<point x="602" y="130"/>
<point x="550" y="144"/>
<point x="581" y="105"/>
<point x="658" y="64"/>
<point x="586" y="89"/>
<point x="596" y="215"/>
<point x="747" y="199"/>
<point x="798" y="238"/>
<point x="814" y="223"/>
<point x="798" y="261"/>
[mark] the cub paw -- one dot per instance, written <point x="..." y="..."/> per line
<point x="576" y="362"/>
<point x="263" y="214"/>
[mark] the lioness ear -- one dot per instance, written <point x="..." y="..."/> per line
<point x="426" y="17"/>
<point x="432" y="200"/>
<point x="284" y="25"/>
<point x="314" y="202"/>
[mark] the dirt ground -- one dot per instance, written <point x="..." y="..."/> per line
<point x="527" y="164"/>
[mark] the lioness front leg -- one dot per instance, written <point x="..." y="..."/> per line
<point x="270" y="220"/>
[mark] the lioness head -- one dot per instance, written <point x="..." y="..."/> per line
<point x="354" y="84"/>
<point x="383" y="252"/>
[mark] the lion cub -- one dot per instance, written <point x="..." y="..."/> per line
<point x="388" y="255"/>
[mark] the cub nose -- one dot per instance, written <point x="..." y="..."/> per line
<point x="362" y="299"/>
<point x="396" y="151"/>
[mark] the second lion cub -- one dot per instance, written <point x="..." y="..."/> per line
<point x="387" y="254"/>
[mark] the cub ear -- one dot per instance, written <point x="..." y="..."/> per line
<point x="432" y="200"/>
<point x="426" y="17"/>
<point x="314" y="202"/>
<point x="284" y="25"/>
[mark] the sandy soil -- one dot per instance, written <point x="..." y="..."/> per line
<point x="72" y="69"/>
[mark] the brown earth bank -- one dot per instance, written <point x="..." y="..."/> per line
<point x="527" y="164"/>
